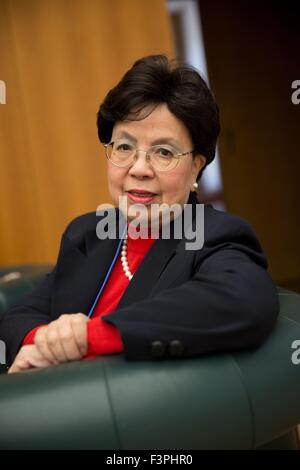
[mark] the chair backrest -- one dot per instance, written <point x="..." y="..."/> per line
<point x="17" y="281"/>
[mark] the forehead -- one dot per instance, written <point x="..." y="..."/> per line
<point x="158" y="123"/>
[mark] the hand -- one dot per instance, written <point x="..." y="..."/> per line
<point x="27" y="358"/>
<point x="64" y="339"/>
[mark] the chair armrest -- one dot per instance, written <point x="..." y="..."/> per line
<point x="232" y="401"/>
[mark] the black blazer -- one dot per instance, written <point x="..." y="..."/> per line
<point x="180" y="303"/>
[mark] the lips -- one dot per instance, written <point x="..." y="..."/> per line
<point x="140" y="196"/>
<point x="141" y="193"/>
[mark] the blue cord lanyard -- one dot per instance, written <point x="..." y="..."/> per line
<point x="108" y="274"/>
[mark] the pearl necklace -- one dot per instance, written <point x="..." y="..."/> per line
<point x="124" y="259"/>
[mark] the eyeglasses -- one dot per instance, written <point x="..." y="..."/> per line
<point x="161" y="157"/>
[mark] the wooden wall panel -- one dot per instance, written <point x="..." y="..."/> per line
<point x="58" y="59"/>
<point x="253" y="57"/>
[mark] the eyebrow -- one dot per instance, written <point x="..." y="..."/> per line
<point x="162" y="140"/>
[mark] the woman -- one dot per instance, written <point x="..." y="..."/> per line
<point x="152" y="297"/>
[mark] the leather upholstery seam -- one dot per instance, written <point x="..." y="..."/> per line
<point x="113" y="414"/>
<point x="251" y="409"/>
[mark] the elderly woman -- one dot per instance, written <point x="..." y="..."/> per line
<point x="149" y="296"/>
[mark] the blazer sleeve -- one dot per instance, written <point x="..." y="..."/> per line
<point x="35" y="308"/>
<point x="31" y="311"/>
<point x="229" y="303"/>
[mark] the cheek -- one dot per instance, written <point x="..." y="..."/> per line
<point x="115" y="178"/>
<point x="176" y="185"/>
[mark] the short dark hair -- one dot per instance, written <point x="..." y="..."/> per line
<point x="153" y="80"/>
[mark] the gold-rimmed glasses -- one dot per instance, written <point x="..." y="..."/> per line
<point x="162" y="157"/>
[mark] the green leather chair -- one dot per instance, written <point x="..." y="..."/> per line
<point x="17" y="281"/>
<point x="244" y="400"/>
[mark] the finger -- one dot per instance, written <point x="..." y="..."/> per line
<point x="20" y="360"/>
<point x="68" y="342"/>
<point x="41" y="342"/>
<point x="79" y="327"/>
<point x="29" y="357"/>
<point x="19" y="365"/>
<point x="54" y="342"/>
<point x="15" y="367"/>
<point x="37" y="360"/>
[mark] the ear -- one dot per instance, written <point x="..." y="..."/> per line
<point x="198" y="163"/>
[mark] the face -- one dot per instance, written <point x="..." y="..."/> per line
<point x="170" y="187"/>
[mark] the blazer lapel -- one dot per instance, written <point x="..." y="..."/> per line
<point x="151" y="270"/>
<point x="80" y="275"/>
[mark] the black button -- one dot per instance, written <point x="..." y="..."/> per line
<point x="176" y="348"/>
<point x="157" y="349"/>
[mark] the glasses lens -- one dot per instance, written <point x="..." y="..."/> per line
<point x="120" y="153"/>
<point x="162" y="158"/>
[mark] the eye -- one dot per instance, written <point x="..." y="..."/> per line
<point x="123" y="147"/>
<point x="164" y="152"/>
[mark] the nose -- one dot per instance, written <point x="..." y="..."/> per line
<point x="141" y="166"/>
